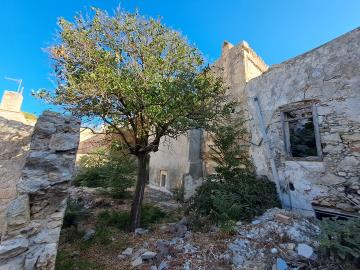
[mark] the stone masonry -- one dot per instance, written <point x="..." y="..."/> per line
<point x="328" y="79"/>
<point x="325" y="79"/>
<point x="34" y="217"/>
<point x="14" y="145"/>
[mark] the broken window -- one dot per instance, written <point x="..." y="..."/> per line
<point x="163" y="178"/>
<point x="301" y="132"/>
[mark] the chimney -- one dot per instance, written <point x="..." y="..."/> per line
<point x="11" y="101"/>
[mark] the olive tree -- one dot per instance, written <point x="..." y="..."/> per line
<point x="140" y="78"/>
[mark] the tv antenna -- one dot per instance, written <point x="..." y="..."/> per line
<point x="19" y="82"/>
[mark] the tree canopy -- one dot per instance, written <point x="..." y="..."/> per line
<point x="140" y="78"/>
<point x="136" y="75"/>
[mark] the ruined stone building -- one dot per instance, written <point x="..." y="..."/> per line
<point x="303" y="119"/>
<point x="303" y="123"/>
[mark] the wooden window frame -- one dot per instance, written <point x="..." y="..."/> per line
<point x="286" y="133"/>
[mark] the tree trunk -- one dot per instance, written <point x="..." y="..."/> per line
<point x="139" y="192"/>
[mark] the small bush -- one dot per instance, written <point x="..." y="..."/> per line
<point x="74" y="214"/>
<point x="340" y="239"/>
<point x="111" y="169"/>
<point x="233" y="193"/>
<point x="228" y="227"/>
<point x="64" y="261"/>
<point x="121" y="220"/>
<point x="151" y="215"/>
<point x="179" y="194"/>
<point x="102" y="236"/>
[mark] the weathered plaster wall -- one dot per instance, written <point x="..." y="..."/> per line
<point x="173" y="157"/>
<point x="187" y="158"/>
<point x="34" y="217"/>
<point x="237" y="65"/>
<point x="14" y="144"/>
<point x="330" y="76"/>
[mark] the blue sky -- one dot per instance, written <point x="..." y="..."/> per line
<point x="277" y="30"/>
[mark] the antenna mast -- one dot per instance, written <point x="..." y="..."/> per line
<point x="19" y="81"/>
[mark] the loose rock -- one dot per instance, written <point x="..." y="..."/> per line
<point x="148" y="255"/>
<point x="127" y="252"/>
<point x="89" y="234"/>
<point x="137" y="262"/>
<point x="305" y="250"/>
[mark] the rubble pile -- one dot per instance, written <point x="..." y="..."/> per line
<point x="278" y="239"/>
<point x="179" y="249"/>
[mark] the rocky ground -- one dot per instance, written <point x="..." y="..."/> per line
<point x="277" y="240"/>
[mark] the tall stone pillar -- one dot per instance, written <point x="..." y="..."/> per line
<point x="34" y="217"/>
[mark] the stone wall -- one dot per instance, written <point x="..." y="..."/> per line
<point x="34" y="217"/>
<point x="187" y="158"/>
<point x="329" y="77"/>
<point x="173" y="157"/>
<point x="14" y="144"/>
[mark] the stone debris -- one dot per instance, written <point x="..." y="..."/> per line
<point x="163" y="265"/>
<point x="121" y="257"/>
<point x="89" y="234"/>
<point x="305" y="250"/>
<point x="127" y="252"/>
<point x="137" y="262"/>
<point x="261" y="241"/>
<point x="280" y="265"/>
<point x="148" y="255"/>
<point x="141" y="231"/>
<point x="180" y="230"/>
<point x="163" y="246"/>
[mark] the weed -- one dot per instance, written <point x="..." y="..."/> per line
<point x="64" y="261"/>
<point x="340" y="240"/>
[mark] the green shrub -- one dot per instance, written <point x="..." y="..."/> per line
<point x="151" y="215"/>
<point x="340" y="239"/>
<point x="121" y="220"/>
<point x="233" y="193"/>
<point x="102" y="235"/>
<point x="111" y="169"/>
<point x="179" y="194"/>
<point x="65" y="261"/>
<point x="30" y="116"/>
<point x="74" y="214"/>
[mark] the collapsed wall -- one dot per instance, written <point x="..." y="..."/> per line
<point x="34" y="217"/>
<point x="311" y="109"/>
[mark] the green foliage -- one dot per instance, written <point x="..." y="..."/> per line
<point x="228" y="227"/>
<point x="179" y="193"/>
<point x="141" y="78"/>
<point x="233" y="193"/>
<point x="64" y="261"/>
<point x="29" y="116"/>
<point x="112" y="170"/>
<point x="151" y="215"/>
<point x="74" y="214"/>
<point x="302" y="138"/>
<point x="340" y="239"/>
<point x="121" y="220"/>
<point x="102" y="235"/>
